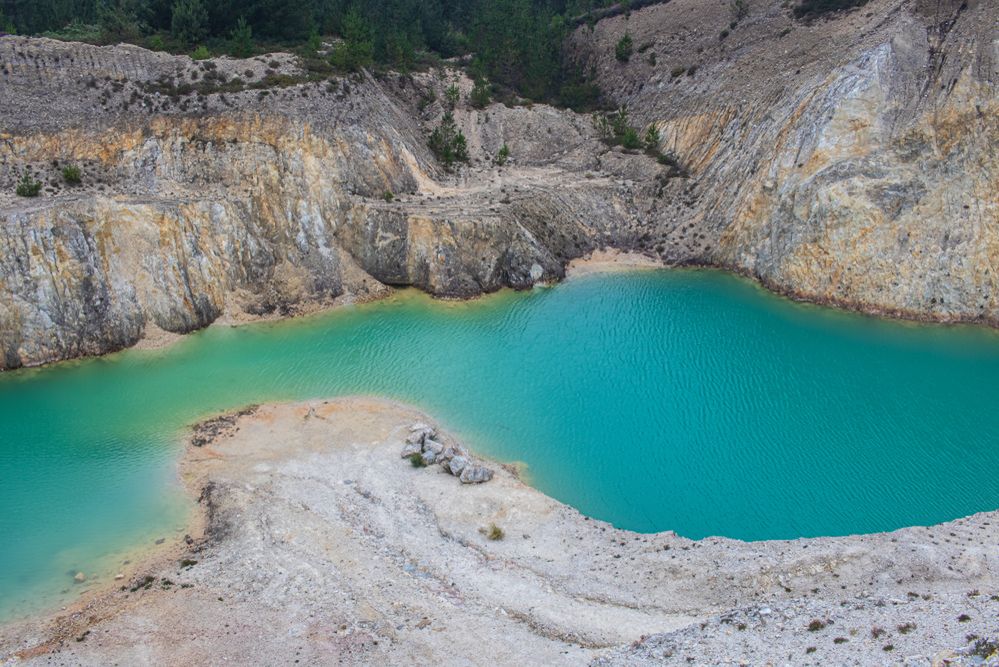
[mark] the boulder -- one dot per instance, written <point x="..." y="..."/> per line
<point x="474" y="473"/>
<point x="418" y="436"/>
<point x="452" y="451"/>
<point x="411" y="448"/>
<point x="456" y="465"/>
<point x="432" y="447"/>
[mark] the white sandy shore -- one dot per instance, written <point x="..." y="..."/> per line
<point x="321" y="545"/>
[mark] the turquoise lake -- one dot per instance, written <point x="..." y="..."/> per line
<point x="657" y="400"/>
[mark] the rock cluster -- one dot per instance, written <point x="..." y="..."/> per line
<point x="455" y="459"/>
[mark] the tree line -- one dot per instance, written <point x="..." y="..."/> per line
<point x="513" y="43"/>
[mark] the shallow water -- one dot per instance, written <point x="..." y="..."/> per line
<point x="670" y="400"/>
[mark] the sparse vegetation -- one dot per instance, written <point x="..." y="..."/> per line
<point x="480" y="96"/>
<point x="963" y="618"/>
<point x="448" y="143"/>
<point x="201" y="53"/>
<point x="816" y="624"/>
<point x="624" y="48"/>
<point x="494" y="532"/>
<point x="811" y="9"/>
<point x="503" y="155"/>
<point x="876" y="632"/>
<point x="418" y="461"/>
<point x="906" y="628"/>
<point x="388" y="196"/>
<point x="452" y="95"/>
<point x="28" y="186"/>
<point x="72" y="174"/>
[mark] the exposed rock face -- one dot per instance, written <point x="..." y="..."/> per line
<point x="849" y="161"/>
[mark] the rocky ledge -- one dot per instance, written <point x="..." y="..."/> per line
<point x="849" y="160"/>
<point x="319" y="545"/>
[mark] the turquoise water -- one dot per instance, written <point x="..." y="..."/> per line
<point x="685" y="400"/>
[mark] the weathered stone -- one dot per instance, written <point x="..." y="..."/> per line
<point x="456" y="465"/>
<point x="474" y="473"/>
<point x="410" y="448"/>
<point x="432" y="447"/>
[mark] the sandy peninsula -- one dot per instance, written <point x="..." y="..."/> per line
<point x="316" y="543"/>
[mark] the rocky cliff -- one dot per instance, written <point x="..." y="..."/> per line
<point x="850" y="160"/>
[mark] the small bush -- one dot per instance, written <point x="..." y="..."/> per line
<point x="495" y="533"/>
<point x="418" y="461"/>
<point x="503" y="155"/>
<point x="72" y="174"/>
<point x="888" y="647"/>
<point x="448" y="142"/>
<point x="452" y="95"/>
<point x="809" y="9"/>
<point x="877" y="632"/>
<point x="630" y="140"/>
<point x="388" y="196"/>
<point x="963" y="618"/>
<point x="652" y="139"/>
<point x="906" y="628"/>
<point x="840" y="640"/>
<point x="723" y="34"/>
<point x="677" y="71"/>
<point x="28" y="187"/>
<point x="480" y="96"/>
<point x="816" y="625"/>
<point x="201" y="53"/>
<point x="624" y="48"/>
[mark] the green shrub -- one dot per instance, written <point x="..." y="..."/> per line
<point x="357" y="50"/>
<point x="452" y="95"/>
<point x="201" y="53"/>
<point x="418" y="461"/>
<point x="448" y="142"/>
<point x="809" y="9"/>
<point x="624" y="48"/>
<point x="28" y="187"/>
<point x="677" y="71"/>
<point x="723" y="34"/>
<point x="72" y="174"/>
<point x="652" y="138"/>
<point x="503" y="155"/>
<point x="480" y="96"/>
<point x="241" y="39"/>
<point x="494" y="532"/>
<point x="388" y="196"/>
<point x="189" y="21"/>
<point x="156" y="43"/>
<point x="630" y="140"/>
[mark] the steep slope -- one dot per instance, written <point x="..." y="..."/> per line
<point x="850" y="160"/>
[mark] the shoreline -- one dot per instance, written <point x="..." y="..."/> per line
<point x="283" y="441"/>
<point x="607" y="260"/>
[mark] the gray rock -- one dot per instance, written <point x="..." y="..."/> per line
<point x="411" y="448"/>
<point x="475" y="474"/>
<point x="419" y="436"/>
<point x="456" y="465"/>
<point x="431" y="446"/>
